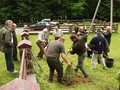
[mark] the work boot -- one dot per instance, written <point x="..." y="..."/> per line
<point x="76" y="70"/>
<point x="87" y="79"/>
<point x="50" y="80"/>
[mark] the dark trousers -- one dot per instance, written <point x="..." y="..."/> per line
<point x="56" y="38"/>
<point x="55" y="65"/>
<point x="105" y="55"/>
<point x="9" y="61"/>
<point x="15" y="53"/>
<point x="41" y="47"/>
<point x="89" y="53"/>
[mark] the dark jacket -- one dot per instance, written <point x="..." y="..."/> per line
<point x="76" y="28"/>
<point x="78" y="47"/>
<point x="98" y="43"/>
<point x="6" y="37"/>
<point x="15" y="42"/>
<point x="83" y="36"/>
<point x="107" y="36"/>
<point x="107" y="49"/>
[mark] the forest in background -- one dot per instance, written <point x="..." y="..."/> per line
<point x="36" y="10"/>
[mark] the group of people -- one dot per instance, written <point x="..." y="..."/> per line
<point x="52" y="50"/>
<point x="42" y="39"/>
<point x="8" y="44"/>
<point x="99" y="45"/>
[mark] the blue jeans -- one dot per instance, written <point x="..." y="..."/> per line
<point x="9" y="61"/>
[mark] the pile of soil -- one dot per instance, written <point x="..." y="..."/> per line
<point x="76" y="79"/>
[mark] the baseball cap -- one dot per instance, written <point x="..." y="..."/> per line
<point x="99" y="31"/>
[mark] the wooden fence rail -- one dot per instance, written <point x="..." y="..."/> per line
<point x="70" y="28"/>
<point x="23" y="71"/>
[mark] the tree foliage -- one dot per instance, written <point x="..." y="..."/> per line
<point x="35" y="10"/>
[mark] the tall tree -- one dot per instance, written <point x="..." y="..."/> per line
<point x="7" y="9"/>
<point x="116" y="10"/>
<point x="35" y="10"/>
<point x="104" y="6"/>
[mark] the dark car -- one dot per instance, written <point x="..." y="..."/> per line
<point x="39" y="26"/>
<point x="54" y="23"/>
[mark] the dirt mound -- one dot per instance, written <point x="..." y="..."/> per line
<point x="75" y="80"/>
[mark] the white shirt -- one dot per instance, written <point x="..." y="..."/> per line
<point x="58" y="33"/>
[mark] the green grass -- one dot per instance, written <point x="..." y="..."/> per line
<point x="100" y="79"/>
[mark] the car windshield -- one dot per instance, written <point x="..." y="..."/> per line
<point x="41" y="23"/>
<point x="46" y="20"/>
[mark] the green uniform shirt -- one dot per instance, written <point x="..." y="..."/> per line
<point x="54" y="49"/>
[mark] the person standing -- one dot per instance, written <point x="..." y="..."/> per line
<point x="98" y="42"/>
<point x="76" y="28"/>
<point x="41" y="42"/>
<point x="15" y="42"/>
<point x="107" y="34"/>
<point x="7" y="45"/>
<point x="78" y="47"/>
<point x="82" y="31"/>
<point x="82" y="34"/>
<point x="57" y="33"/>
<point x="53" y="51"/>
<point x="47" y="36"/>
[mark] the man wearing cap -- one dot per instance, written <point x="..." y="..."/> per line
<point x="98" y="42"/>
<point x="41" y="42"/>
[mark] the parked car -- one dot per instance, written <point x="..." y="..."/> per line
<point x="39" y="26"/>
<point x="54" y="23"/>
<point x="43" y="24"/>
<point x="46" y="20"/>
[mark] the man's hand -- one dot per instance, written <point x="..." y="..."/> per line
<point x="68" y="50"/>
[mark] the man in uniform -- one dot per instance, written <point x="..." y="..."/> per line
<point x="52" y="52"/>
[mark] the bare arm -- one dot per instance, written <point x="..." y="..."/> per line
<point x="65" y="59"/>
<point x="45" y="50"/>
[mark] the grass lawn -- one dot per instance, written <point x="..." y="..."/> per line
<point x="100" y="79"/>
